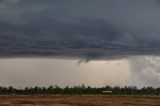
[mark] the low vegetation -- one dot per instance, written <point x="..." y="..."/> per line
<point x="79" y="90"/>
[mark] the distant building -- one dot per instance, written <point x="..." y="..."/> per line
<point x="107" y="92"/>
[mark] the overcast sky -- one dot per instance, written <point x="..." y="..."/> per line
<point x="81" y="30"/>
<point x="87" y="28"/>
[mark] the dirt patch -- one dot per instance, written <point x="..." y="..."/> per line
<point x="88" y="100"/>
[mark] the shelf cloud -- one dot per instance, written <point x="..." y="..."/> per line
<point x="89" y="29"/>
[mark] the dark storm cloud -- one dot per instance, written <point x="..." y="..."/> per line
<point x="88" y="29"/>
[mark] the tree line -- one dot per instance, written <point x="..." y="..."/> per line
<point x="79" y="90"/>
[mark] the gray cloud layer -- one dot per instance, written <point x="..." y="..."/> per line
<point x="79" y="28"/>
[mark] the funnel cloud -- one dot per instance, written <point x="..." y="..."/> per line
<point x="126" y="32"/>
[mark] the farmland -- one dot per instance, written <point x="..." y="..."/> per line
<point x="78" y="100"/>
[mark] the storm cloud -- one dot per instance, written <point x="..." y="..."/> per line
<point x="89" y="29"/>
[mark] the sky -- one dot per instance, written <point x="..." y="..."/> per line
<point x="81" y="35"/>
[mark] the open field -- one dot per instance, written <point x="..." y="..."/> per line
<point x="85" y="100"/>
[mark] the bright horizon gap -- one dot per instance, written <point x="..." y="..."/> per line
<point x="24" y="72"/>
